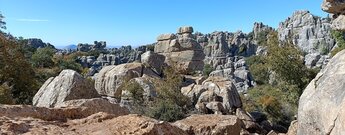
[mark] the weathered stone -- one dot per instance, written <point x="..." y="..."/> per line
<point x="210" y="125"/>
<point x="333" y="6"/>
<point x="321" y="106"/>
<point x="95" y="105"/>
<point x="339" y="23"/>
<point x="69" y="85"/>
<point x="293" y="128"/>
<point x="110" y="78"/>
<point x="163" y="37"/>
<point x="309" y="33"/>
<point x="153" y="60"/>
<point x="221" y="90"/>
<point x="216" y="107"/>
<point x="185" y="29"/>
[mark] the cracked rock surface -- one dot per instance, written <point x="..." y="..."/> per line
<point x="321" y="108"/>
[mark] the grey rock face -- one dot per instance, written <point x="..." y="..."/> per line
<point x="90" y="47"/>
<point x="337" y="8"/>
<point x="321" y="107"/>
<point x="37" y="43"/>
<point x="309" y="33"/>
<point x="260" y="27"/>
<point x="223" y="50"/>
<point x="114" y="56"/>
<point x="153" y="60"/>
<point x="69" y="85"/>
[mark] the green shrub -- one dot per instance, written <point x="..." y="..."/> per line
<point x="207" y="70"/>
<point x="5" y="94"/>
<point x="167" y="110"/>
<point x="340" y="39"/>
<point x="43" y="57"/>
<point x="259" y="69"/>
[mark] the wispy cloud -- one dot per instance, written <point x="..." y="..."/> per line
<point x="32" y="20"/>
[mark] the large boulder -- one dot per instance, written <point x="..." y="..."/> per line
<point x="110" y="78"/>
<point x="153" y="60"/>
<point x="69" y="85"/>
<point x="216" y="95"/>
<point x="210" y="125"/>
<point x="322" y="105"/>
<point x="337" y="8"/>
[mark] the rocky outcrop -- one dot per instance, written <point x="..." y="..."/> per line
<point x="210" y="125"/>
<point x="216" y="95"/>
<point x="37" y="43"/>
<point x="69" y="85"/>
<point x="97" y="46"/>
<point x="309" y="33"/>
<point x="181" y="51"/>
<point x="109" y="80"/>
<point x="223" y="50"/>
<point x="321" y="106"/>
<point x="153" y="61"/>
<point x="113" y="56"/>
<point x="337" y="8"/>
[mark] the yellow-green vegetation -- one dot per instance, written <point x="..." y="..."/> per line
<point x="281" y="77"/>
<point x="340" y="39"/>
<point x="171" y="104"/>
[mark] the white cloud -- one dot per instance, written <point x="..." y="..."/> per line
<point x="32" y="20"/>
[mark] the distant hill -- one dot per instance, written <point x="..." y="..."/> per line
<point x="72" y="47"/>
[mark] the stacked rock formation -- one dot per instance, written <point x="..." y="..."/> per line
<point x="225" y="52"/>
<point x="91" y="47"/>
<point x="182" y="51"/>
<point x="337" y="9"/>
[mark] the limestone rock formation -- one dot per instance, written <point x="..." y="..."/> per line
<point x="69" y="85"/>
<point x="321" y="106"/>
<point x="224" y="50"/>
<point x="308" y="32"/>
<point x="113" y="56"/>
<point x="99" y="46"/>
<point x="337" y="8"/>
<point x="153" y="60"/>
<point x="110" y="78"/>
<point x="37" y="43"/>
<point x="311" y="34"/>
<point x="215" y="95"/>
<point x="181" y="51"/>
<point x="210" y="125"/>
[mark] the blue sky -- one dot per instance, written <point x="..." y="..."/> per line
<point x="137" y="22"/>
